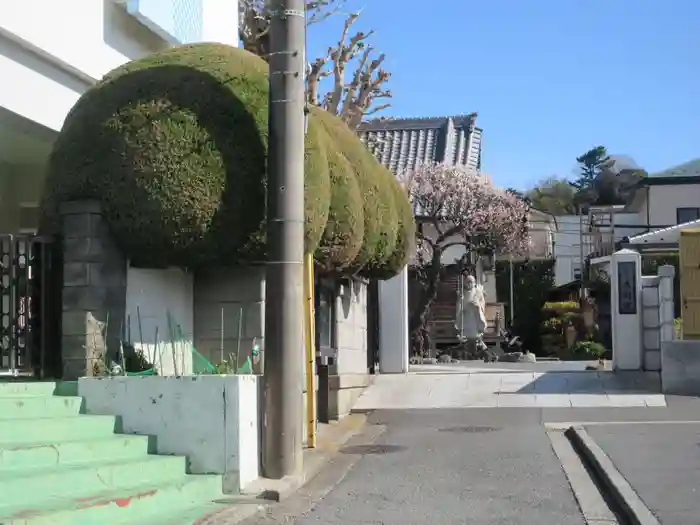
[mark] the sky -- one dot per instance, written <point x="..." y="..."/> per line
<point x="549" y="79"/>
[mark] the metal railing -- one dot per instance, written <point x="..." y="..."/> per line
<point x="30" y="308"/>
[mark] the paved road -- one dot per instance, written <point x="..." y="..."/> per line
<point x="445" y="467"/>
<point x="662" y="464"/>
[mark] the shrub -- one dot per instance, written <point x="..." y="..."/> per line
<point x="381" y="222"/>
<point x="344" y="232"/>
<point x="587" y="350"/>
<point x="405" y="240"/>
<point x="174" y="147"/>
<point x="561" y="306"/>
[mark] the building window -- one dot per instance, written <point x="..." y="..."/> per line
<point x="684" y="215"/>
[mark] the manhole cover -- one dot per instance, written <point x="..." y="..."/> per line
<point x="469" y="430"/>
<point x="371" y="449"/>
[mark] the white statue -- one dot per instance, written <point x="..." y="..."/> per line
<point x="471" y="306"/>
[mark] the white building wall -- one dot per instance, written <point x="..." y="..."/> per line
<point x="664" y="200"/>
<point x="53" y="51"/>
<point x="567" y="243"/>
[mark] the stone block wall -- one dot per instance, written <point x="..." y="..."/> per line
<point x="350" y="373"/>
<point x="94" y="291"/>
<point x="657" y="315"/>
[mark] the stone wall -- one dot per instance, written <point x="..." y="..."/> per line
<point x="657" y="315"/>
<point x="94" y="291"/>
<point x="349" y="375"/>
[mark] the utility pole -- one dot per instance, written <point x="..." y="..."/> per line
<point x="284" y="317"/>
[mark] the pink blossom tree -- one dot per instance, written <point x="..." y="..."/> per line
<point x="459" y="208"/>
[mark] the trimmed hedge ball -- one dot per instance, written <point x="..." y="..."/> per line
<point x="174" y="147"/>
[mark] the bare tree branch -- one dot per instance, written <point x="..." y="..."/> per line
<point x="351" y="101"/>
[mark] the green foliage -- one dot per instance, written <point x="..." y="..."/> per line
<point x="532" y="282"/>
<point x="562" y="306"/>
<point x="591" y="163"/>
<point x="678" y="327"/>
<point x="405" y="241"/>
<point x="376" y="185"/>
<point x="344" y="233"/>
<point x="553" y="195"/>
<point x="586" y="351"/>
<point x="174" y="147"/>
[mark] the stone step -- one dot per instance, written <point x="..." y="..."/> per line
<point x="135" y="505"/>
<point x="27" y="388"/>
<point x="200" y="515"/>
<point x="28" y="407"/>
<point x="38" y="430"/>
<point x="15" y="456"/>
<point x="35" y="486"/>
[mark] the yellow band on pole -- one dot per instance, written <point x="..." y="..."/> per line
<point x="310" y="340"/>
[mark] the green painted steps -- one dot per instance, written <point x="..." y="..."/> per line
<point x="137" y="505"/>
<point x="58" y="466"/>
<point x="47" y="454"/>
<point x="23" y="407"/>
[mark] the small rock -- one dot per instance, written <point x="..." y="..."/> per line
<point x="445" y="358"/>
<point x="528" y="357"/>
<point x="429" y="361"/>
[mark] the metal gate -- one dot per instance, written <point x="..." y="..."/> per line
<point x="29" y="305"/>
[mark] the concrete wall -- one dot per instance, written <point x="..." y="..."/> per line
<point x="651" y="324"/>
<point x="231" y="293"/>
<point x="680" y="367"/>
<point x="53" y="51"/>
<point x="393" y="324"/>
<point x="350" y="373"/>
<point x="213" y="420"/>
<point x="160" y="318"/>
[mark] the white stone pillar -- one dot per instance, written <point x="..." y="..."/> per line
<point x="626" y="308"/>
<point x="666" y="309"/>
<point x="393" y="324"/>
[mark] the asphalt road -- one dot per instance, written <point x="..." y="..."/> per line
<point x="450" y="467"/>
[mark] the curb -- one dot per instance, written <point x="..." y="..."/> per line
<point x="630" y="505"/>
<point x="337" y="435"/>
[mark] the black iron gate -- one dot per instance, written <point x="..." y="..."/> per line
<point x="30" y="306"/>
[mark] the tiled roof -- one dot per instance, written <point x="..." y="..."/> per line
<point x="402" y="143"/>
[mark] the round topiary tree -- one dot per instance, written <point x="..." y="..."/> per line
<point x="405" y="240"/>
<point x="174" y="146"/>
<point x="344" y="233"/>
<point x="376" y="183"/>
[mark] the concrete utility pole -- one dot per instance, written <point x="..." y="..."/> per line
<point x="284" y="295"/>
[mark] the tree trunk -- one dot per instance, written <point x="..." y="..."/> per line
<point x="417" y="323"/>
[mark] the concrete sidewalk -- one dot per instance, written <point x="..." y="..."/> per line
<point x="445" y="387"/>
<point x="661" y="464"/>
<point x="651" y="470"/>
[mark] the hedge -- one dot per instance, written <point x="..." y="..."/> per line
<point x="381" y="223"/>
<point x="174" y="146"/>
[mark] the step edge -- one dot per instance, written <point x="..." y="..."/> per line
<point x="58" y="505"/>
